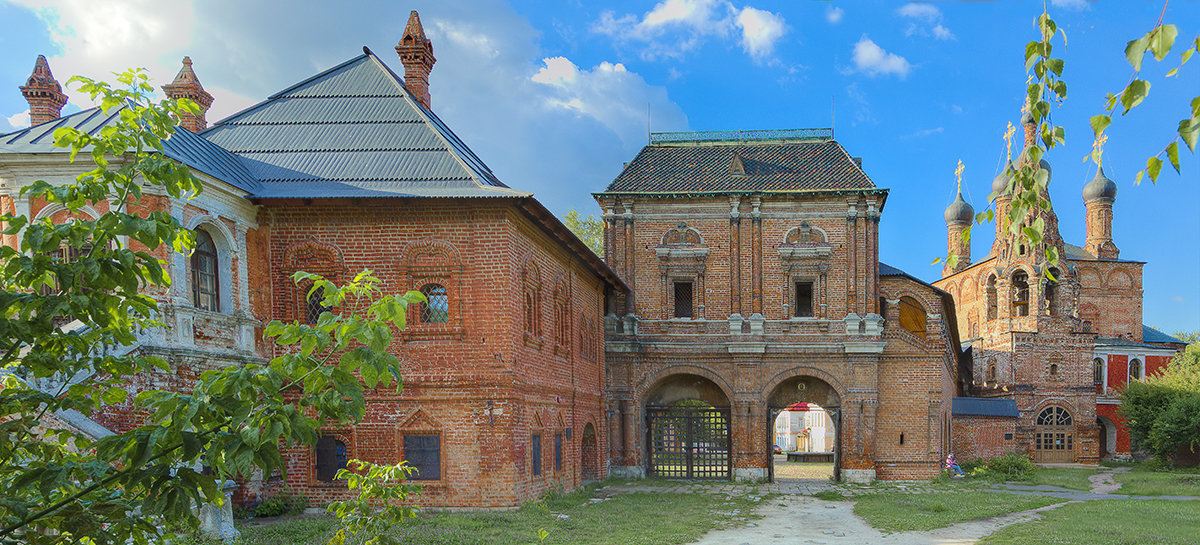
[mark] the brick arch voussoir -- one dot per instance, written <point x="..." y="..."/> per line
<point x="429" y="246"/>
<point x="291" y="255"/>
<point x="802" y="371"/>
<point x="653" y="380"/>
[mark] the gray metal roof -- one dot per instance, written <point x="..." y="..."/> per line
<point x="353" y="131"/>
<point x="183" y="146"/>
<point x="1125" y="343"/>
<point x="984" y="406"/>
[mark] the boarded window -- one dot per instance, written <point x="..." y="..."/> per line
<point x="912" y="316"/>
<point x="804" y="300"/>
<point x="205" y="283"/>
<point x="558" y="451"/>
<point x="537" y="454"/>
<point x="683" y="300"/>
<point x="436" y="309"/>
<point x="331" y="456"/>
<point x="424" y="452"/>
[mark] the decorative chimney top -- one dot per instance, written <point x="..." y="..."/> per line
<point x="44" y="94"/>
<point x="187" y="85"/>
<point x="416" y="53"/>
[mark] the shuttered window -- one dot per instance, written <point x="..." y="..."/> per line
<point x="537" y="454"/>
<point x="331" y="456"/>
<point x="424" y="452"/>
<point x="558" y="452"/>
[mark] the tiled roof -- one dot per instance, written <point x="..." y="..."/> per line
<point x="772" y="166"/>
<point x="353" y="131"/>
<point x="183" y="146"/>
<point x="1151" y="335"/>
<point x="984" y="406"/>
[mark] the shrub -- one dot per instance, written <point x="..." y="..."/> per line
<point x="283" y="502"/>
<point x="1012" y="465"/>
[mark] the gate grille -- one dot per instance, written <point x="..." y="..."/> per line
<point x="688" y="442"/>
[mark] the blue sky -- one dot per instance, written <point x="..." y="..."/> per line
<point x="555" y="96"/>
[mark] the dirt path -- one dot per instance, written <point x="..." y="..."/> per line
<point x="1104" y="483"/>
<point x="806" y="520"/>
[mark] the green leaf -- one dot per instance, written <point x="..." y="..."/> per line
<point x="1189" y="131"/>
<point x="370" y="375"/>
<point x="1099" y="123"/>
<point x="1161" y="41"/>
<point x="1135" y="50"/>
<point x="1134" y="94"/>
<point x="1055" y="65"/>
<point x="1173" y="155"/>
<point x="1153" y="167"/>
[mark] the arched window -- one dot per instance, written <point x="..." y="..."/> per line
<point x="1136" y="371"/>
<point x="206" y="286"/>
<point x="1098" y="374"/>
<point x="991" y="298"/>
<point x="991" y="372"/>
<point x="331" y="456"/>
<point x="314" y="305"/>
<point x="912" y="316"/>
<point x="1051" y="293"/>
<point x="1020" y="294"/>
<point x="436" y="309"/>
<point x="1054" y="416"/>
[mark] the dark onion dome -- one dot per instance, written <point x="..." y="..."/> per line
<point x="1000" y="182"/>
<point x="959" y="211"/>
<point x="1100" y="188"/>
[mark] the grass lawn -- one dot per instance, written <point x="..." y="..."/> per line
<point x="1072" y="478"/>
<point x="636" y="518"/>
<point x="1108" y="522"/>
<point x="902" y="512"/>
<point x="1143" y="482"/>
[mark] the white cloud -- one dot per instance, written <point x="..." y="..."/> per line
<point x="608" y="94"/>
<point x="872" y="60"/>
<point x="562" y="138"/>
<point x="1072" y="4"/>
<point x="923" y="133"/>
<point x="675" y="27"/>
<point x="833" y="15"/>
<point x="926" y="20"/>
<point x="760" y="30"/>
<point x="860" y="105"/>
<point x="18" y="120"/>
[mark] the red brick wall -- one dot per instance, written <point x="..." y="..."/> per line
<point x="478" y="380"/>
<point x="984" y="437"/>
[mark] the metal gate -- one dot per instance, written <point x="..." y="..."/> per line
<point x="688" y="442"/>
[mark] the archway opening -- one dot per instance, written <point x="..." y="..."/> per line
<point x="688" y="429"/>
<point x="1108" y="437"/>
<point x="589" y="452"/>
<point x="804" y="430"/>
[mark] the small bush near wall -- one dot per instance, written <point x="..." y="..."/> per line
<point x="282" y="502"/>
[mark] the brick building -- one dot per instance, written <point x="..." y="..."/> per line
<point x="1050" y="355"/>
<point x="752" y="260"/>
<point x="351" y="170"/>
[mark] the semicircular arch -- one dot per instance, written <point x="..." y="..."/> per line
<point x="662" y="376"/>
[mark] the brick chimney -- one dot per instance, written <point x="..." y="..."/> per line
<point x="416" y="52"/>
<point x="187" y="85"/>
<point x="45" y="96"/>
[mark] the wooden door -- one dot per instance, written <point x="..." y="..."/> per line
<point x="1054" y="438"/>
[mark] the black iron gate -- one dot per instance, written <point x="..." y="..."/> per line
<point x="688" y="442"/>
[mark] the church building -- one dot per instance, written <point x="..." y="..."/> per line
<point x="1050" y="352"/>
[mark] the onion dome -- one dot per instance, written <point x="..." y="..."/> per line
<point x="1100" y="188"/>
<point x="959" y="211"/>
<point x="1000" y="182"/>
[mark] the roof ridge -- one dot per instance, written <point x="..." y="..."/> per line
<point x="441" y="129"/>
<point x="278" y="95"/>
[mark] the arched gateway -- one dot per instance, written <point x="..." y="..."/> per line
<point x="754" y="284"/>
<point x="802" y="392"/>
